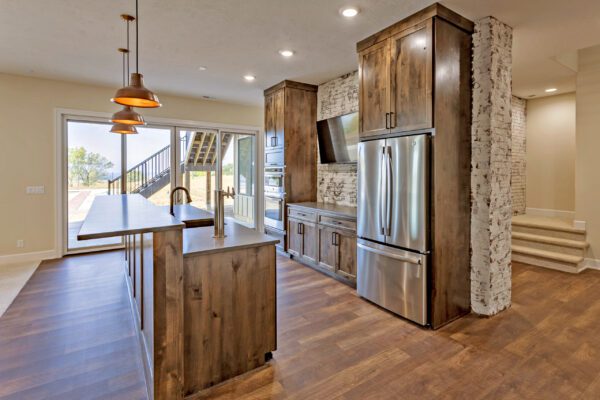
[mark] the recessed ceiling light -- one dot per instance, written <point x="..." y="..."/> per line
<point x="349" y="12"/>
<point x="286" y="53"/>
<point x="551" y="90"/>
<point x="202" y="68"/>
<point x="249" y="78"/>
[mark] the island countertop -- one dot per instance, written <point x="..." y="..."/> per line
<point x="125" y="214"/>
<point x="201" y="241"/>
<point x="191" y="216"/>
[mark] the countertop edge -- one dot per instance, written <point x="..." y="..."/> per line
<point x="129" y="232"/>
<point x="323" y="211"/>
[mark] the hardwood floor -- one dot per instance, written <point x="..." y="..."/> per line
<point x="69" y="335"/>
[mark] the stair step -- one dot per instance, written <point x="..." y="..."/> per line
<point x="579" y="244"/>
<point x="549" y="227"/>
<point x="550" y="255"/>
<point x="547" y="259"/>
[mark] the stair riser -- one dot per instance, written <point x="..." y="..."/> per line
<point x="548" y="247"/>
<point x="546" y="263"/>
<point x="549" y="232"/>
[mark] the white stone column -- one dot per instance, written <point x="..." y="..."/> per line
<point x="491" y="167"/>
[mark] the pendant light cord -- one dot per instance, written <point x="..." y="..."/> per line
<point x="137" y="39"/>
<point x="127" y="73"/>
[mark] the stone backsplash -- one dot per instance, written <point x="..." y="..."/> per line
<point x="337" y="182"/>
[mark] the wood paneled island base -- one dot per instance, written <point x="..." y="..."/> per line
<point x="205" y="307"/>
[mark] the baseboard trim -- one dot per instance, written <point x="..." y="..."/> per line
<point x="545" y="212"/>
<point x="591" y="263"/>
<point x="579" y="224"/>
<point x="27" y="257"/>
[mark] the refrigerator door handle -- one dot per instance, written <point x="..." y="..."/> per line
<point x="383" y="197"/>
<point x="389" y="189"/>
<point x="410" y="260"/>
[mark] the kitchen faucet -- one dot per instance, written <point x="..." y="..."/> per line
<point x="220" y="210"/>
<point x="177" y="188"/>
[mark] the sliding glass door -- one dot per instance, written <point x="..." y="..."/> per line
<point x="151" y="164"/>
<point x="93" y="161"/>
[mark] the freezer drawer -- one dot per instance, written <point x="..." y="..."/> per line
<point x="393" y="279"/>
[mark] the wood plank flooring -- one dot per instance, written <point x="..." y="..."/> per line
<point x="69" y="335"/>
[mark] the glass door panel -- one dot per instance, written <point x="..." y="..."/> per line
<point x="93" y="165"/>
<point x="149" y="156"/>
<point x="239" y="172"/>
<point x="199" y="165"/>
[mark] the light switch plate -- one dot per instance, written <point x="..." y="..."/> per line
<point x="35" y="190"/>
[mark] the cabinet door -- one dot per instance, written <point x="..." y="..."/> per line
<point x="294" y="235"/>
<point x="374" y="81"/>
<point x="346" y="254"/>
<point x="309" y="241"/>
<point x="274" y="119"/>
<point x="279" y="118"/>
<point x="411" y="79"/>
<point x="327" y="248"/>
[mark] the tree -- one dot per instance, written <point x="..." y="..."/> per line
<point x="87" y="168"/>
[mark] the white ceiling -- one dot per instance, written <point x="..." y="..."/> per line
<point x="76" y="40"/>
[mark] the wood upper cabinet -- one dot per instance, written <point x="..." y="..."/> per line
<point x="396" y="82"/>
<point x="411" y="79"/>
<point x="374" y="99"/>
<point x="274" y="119"/>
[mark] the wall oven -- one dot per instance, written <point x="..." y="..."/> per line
<point x="274" y="180"/>
<point x="274" y="210"/>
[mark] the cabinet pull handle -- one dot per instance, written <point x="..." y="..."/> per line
<point x="387" y="120"/>
<point x="333" y="238"/>
<point x="273" y="141"/>
<point x="392" y="120"/>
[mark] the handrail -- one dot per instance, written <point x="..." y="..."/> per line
<point x="146" y="172"/>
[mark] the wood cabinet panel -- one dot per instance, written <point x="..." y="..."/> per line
<point x="411" y="79"/>
<point x="374" y="81"/>
<point x="274" y="120"/>
<point x="327" y="248"/>
<point x="310" y="241"/>
<point x="294" y="237"/>
<point x="346" y="254"/>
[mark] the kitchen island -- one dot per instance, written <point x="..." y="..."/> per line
<point x="204" y="307"/>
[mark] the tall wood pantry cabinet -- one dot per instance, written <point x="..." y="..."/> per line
<point x="415" y="77"/>
<point x="291" y="145"/>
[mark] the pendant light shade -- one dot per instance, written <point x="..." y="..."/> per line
<point x="127" y="116"/>
<point x="136" y="95"/>
<point x="124" y="129"/>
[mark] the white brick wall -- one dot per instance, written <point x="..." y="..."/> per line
<point x="519" y="115"/>
<point x="337" y="182"/>
<point x="491" y="167"/>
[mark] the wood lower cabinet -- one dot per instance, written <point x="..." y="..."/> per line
<point x="324" y="241"/>
<point x="302" y="241"/>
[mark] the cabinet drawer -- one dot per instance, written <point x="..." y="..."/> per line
<point x="337" y="222"/>
<point x="302" y="214"/>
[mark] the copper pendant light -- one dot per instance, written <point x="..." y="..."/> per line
<point x="127" y="115"/>
<point x="136" y="94"/>
<point x="124" y="129"/>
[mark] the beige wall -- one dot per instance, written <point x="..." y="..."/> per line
<point x="27" y="147"/>
<point x="551" y="152"/>
<point x="587" y="181"/>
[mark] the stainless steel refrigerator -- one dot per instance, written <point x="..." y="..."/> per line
<point x="393" y="224"/>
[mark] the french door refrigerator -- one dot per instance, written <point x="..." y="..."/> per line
<point x="393" y="224"/>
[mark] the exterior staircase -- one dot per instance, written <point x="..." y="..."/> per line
<point x="548" y="242"/>
<point x="154" y="173"/>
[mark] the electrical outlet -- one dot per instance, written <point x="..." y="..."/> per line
<point x="20" y="243"/>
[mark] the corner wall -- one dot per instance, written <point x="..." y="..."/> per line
<point x="27" y="147"/>
<point x="337" y="182"/>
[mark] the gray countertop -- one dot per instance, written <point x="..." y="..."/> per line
<point x="191" y="216"/>
<point x="344" y="211"/>
<point x="200" y="241"/>
<point x="125" y="214"/>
